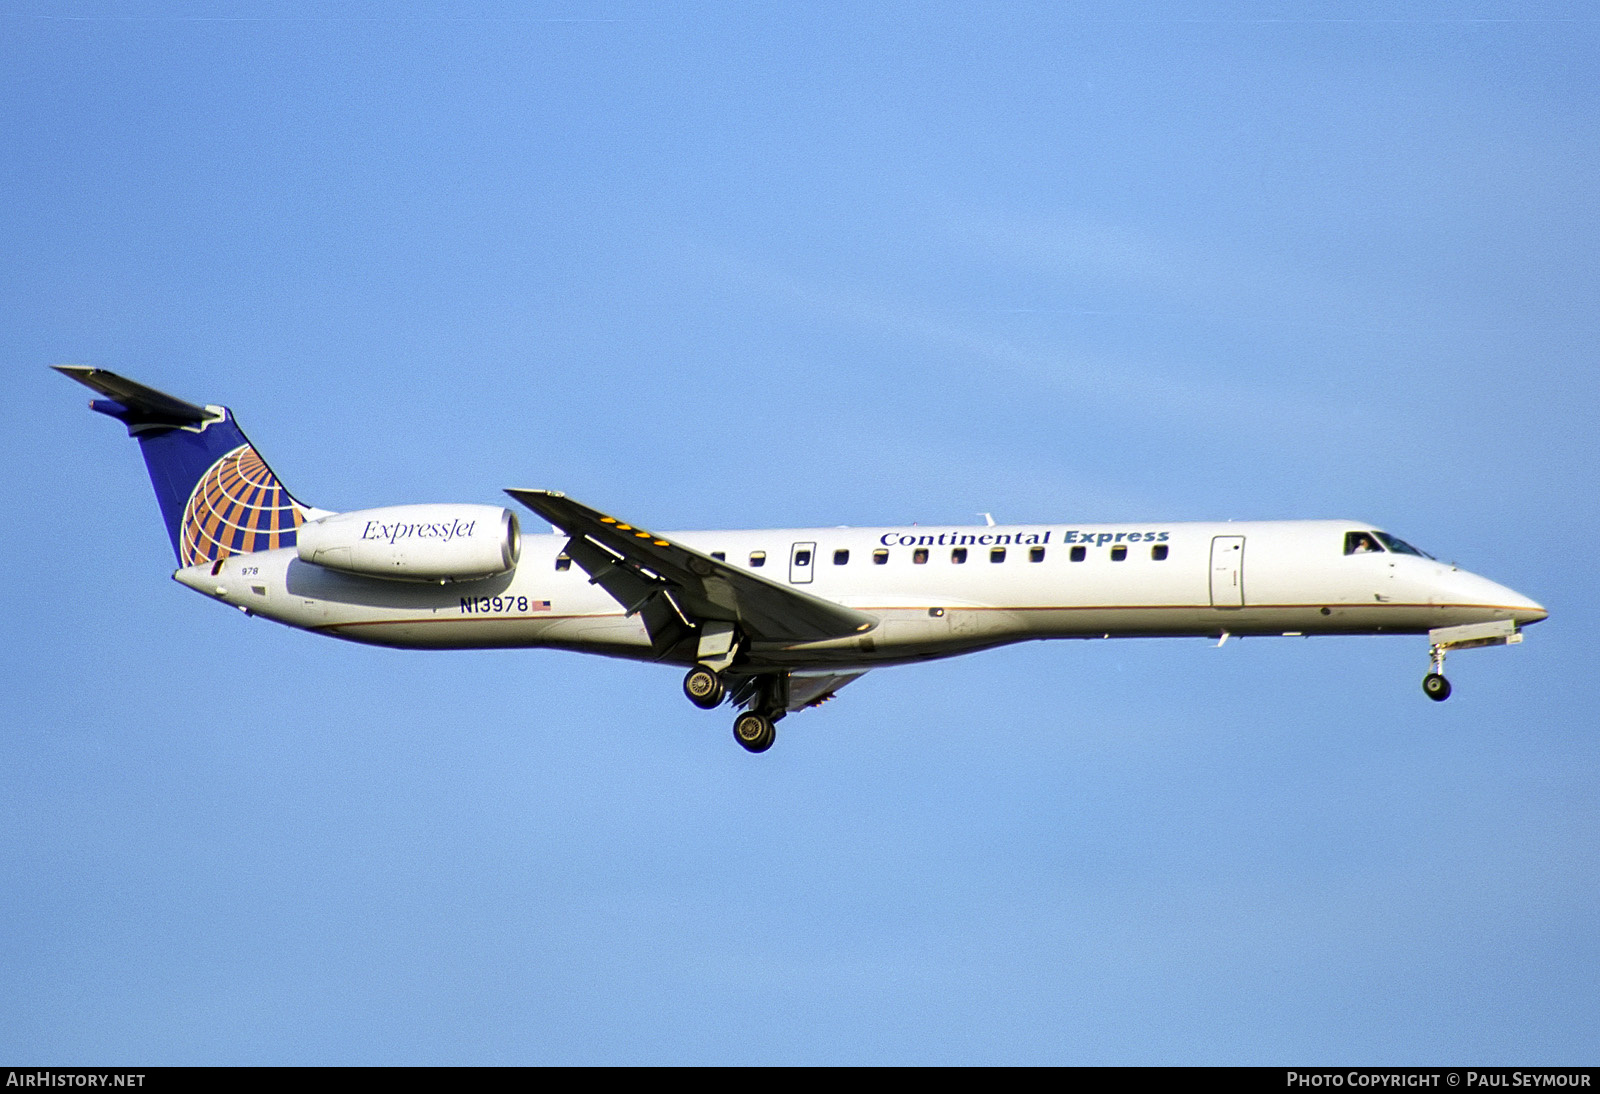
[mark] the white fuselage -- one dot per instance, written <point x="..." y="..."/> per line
<point x="1015" y="583"/>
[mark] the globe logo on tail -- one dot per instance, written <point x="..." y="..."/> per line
<point x="237" y="507"/>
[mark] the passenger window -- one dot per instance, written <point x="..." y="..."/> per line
<point x="997" y="554"/>
<point x="920" y="555"/>
<point x="1079" y="553"/>
<point x="841" y="557"/>
<point x="1361" y="543"/>
<point x="1119" y="553"/>
<point x="563" y="561"/>
<point x="1159" y="552"/>
<point x="720" y="556"/>
<point x="802" y="558"/>
<point x="758" y="559"/>
<point x="1035" y="554"/>
<point x="958" y="555"/>
<point x="880" y="556"/>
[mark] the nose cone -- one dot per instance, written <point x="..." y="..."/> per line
<point x="1497" y="601"/>
<point x="1525" y="611"/>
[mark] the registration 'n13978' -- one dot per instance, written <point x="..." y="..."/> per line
<point x="502" y="605"/>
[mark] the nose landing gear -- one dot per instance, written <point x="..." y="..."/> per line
<point x="1434" y="685"/>
<point x="1502" y="632"/>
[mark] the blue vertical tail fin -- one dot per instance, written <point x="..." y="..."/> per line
<point x="217" y="495"/>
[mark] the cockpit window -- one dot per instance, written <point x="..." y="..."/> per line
<point x="1361" y="543"/>
<point x="1400" y="546"/>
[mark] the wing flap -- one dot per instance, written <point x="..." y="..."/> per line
<point x="639" y="593"/>
<point x="807" y="690"/>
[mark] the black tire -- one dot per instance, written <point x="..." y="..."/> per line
<point x="754" y="732"/>
<point x="1436" y="687"/>
<point x="703" y="687"/>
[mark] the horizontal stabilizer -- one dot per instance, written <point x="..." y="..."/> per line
<point x="142" y="405"/>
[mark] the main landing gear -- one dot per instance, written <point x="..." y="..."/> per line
<point x="754" y="730"/>
<point x="765" y="697"/>
<point x="704" y="687"/>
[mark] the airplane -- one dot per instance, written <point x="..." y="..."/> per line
<point x="769" y="621"/>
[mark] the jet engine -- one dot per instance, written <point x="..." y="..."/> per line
<point x="436" y="543"/>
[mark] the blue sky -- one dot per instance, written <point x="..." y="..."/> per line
<point x="728" y="265"/>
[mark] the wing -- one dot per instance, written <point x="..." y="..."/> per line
<point x="641" y="570"/>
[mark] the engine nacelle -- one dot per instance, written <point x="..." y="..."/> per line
<point x="415" y="542"/>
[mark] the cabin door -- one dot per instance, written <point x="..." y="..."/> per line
<point x="1227" y="572"/>
<point x="802" y="557"/>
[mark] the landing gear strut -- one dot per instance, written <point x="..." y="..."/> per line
<point x="1434" y="685"/>
<point x="704" y="687"/>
